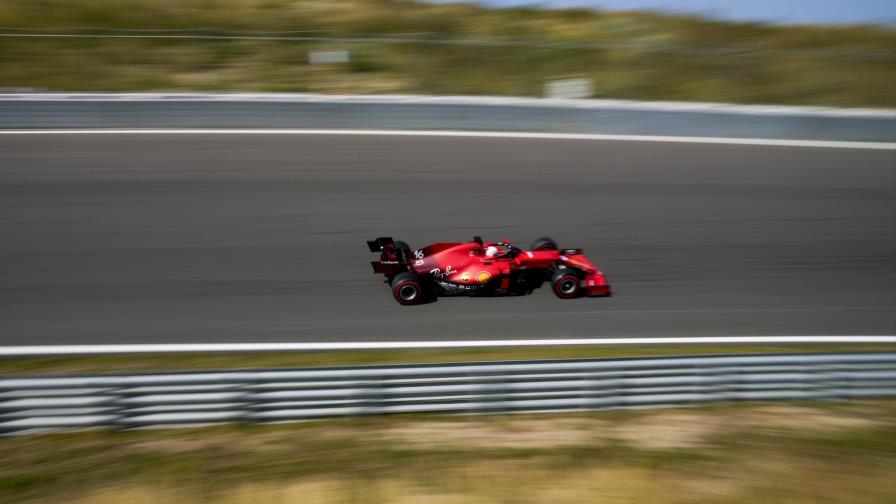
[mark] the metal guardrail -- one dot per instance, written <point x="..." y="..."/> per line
<point x="435" y="113"/>
<point x="40" y="403"/>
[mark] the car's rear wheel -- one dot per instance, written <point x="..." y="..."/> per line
<point x="566" y="283"/>
<point x="544" y="243"/>
<point x="406" y="289"/>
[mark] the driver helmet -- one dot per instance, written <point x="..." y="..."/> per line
<point x="491" y="251"/>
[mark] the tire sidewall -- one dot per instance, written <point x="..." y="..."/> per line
<point x="396" y="291"/>
<point x="560" y="278"/>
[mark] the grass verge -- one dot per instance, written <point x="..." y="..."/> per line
<point x="123" y="363"/>
<point x="796" y="453"/>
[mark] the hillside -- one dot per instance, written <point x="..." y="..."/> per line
<point x="408" y="47"/>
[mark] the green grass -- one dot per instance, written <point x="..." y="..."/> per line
<point x="113" y="363"/>
<point x="787" y="452"/>
<point x="846" y="66"/>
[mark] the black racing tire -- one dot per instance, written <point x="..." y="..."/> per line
<point x="407" y="289"/>
<point x="544" y="243"/>
<point x="566" y="283"/>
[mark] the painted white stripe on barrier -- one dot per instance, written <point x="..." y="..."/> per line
<point x="12" y="351"/>
<point x="471" y="134"/>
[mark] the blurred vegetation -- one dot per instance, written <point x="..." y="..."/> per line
<point x="631" y="55"/>
<point x="798" y="453"/>
<point x="168" y="362"/>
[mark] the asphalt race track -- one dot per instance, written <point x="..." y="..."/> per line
<point x="156" y="238"/>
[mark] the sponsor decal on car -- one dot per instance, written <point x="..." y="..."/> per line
<point x="436" y="272"/>
<point x="483" y="276"/>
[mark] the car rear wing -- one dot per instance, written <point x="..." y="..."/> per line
<point x="380" y="243"/>
<point x="392" y="261"/>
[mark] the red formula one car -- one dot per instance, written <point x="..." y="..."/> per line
<point x="484" y="269"/>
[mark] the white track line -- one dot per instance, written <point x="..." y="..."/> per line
<point x="43" y="350"/>
<point x="514" y="101"/>
<point x="466" y="134"/>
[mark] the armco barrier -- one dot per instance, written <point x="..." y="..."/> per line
<point x="39" y="403"/>
<point x="466" y="113"/>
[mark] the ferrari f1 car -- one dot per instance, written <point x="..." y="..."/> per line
<point x="484" y="269"/>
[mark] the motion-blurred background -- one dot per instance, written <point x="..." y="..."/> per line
<point x="499" y="48"/>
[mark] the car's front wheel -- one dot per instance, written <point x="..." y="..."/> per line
<point x="566" y="283"/>
<point x="407" y="289"/>
<point x="544" y="243"/>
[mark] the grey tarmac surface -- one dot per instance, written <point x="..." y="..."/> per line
<point x="224" y="238"/>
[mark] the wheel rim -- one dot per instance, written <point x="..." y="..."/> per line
<point x="568" y="286"/>
<point x="407" y="292"/>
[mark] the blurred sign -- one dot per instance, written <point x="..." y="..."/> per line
<point x="328" y="57"/>
<point x="568" y="88"/>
